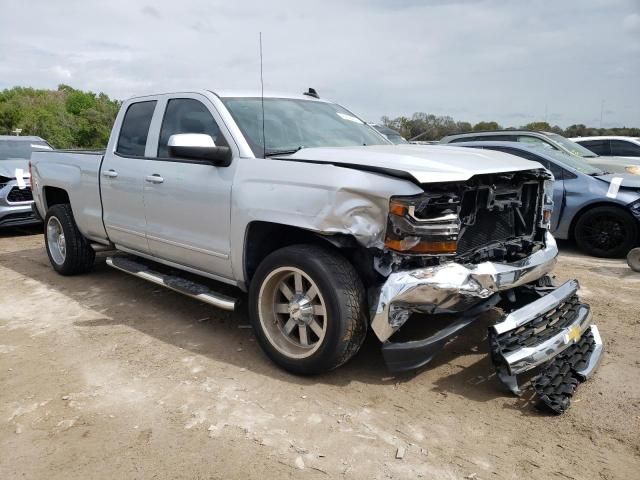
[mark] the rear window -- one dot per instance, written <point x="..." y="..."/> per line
<point x="135" y="128"/>
<point x="21" y="149"/>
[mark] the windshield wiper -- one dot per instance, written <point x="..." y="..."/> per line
<point x="275" y="153"/>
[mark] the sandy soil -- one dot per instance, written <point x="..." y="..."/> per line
<point x="107" y="376"/>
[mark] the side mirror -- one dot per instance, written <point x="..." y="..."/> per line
<point x="198" y="146"/>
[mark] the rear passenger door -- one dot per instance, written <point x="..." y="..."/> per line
<point x="188" y="202"/>
<point x="122" y="178"/>
<point x="623" y="148"/>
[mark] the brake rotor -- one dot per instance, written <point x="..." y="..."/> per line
<point x="633" y="259"/>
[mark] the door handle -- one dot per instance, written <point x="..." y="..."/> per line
<point x="155" y="178"/>
<point x="110" y="173"/>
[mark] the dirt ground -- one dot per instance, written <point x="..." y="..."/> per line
<point x="107" y="376"/>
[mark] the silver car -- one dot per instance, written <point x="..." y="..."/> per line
<point x="551" y="141"/>
<point x="600" y="211"/>
<point x="15" y="185"/>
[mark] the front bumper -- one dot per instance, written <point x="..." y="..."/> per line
<point x="453" y="288"/>
<point x="15" y="213"/>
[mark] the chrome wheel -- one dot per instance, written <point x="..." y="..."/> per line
<point x="55" y="241"/>
<point x="292" y="312"/>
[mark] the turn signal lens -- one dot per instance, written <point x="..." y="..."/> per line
<point x="634" y="169"/>
<point x="398" y="208"/>
<point x="422" y="247"/>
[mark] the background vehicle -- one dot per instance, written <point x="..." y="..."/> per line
<point x="15" y="183"/>
<point x="607" y="146"/>
<point x="552" y="141"/>
<point x="327" y="226"/>
<point x="600" y="211"/>
<point x="390" y="134"/>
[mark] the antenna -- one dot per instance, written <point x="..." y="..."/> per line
<point x="264" y="140"/>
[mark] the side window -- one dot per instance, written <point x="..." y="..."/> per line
<point x="464" y="139"/>
<point x="536" y="142"/>
<point x="186" y="115"/>
<point x="599" y="147"/>
<point x="624" y="149"/>
<point x="135" y="128"/>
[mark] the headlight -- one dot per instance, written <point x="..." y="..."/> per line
<point x="426" y="224"/>
<point x="547" y="204"/>
<point x="633" y="169"/>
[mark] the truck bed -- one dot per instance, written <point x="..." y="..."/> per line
<point x="77" y="172"/>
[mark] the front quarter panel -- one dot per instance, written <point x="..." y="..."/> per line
<point x="318" y="197"/>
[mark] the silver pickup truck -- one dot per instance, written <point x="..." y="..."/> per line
<point x="329" y="228"/>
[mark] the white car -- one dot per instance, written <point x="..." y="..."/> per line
<point x="610" y="146"/>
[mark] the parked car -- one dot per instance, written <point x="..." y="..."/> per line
<point x="345" y="233"/>
<point x="15" y="184"/>
<point x="600" y="211"/>
<point x="551" y="141"/>
<point x="390" y="134"/>
<point x="607" y="146"/>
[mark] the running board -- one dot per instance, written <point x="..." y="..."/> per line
<point x="173" y="282"/>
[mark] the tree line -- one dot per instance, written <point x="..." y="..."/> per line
<point x="432" y="127"/>
<point x="70" y="118"/>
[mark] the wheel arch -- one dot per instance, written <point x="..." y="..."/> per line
<point x="54" y="196"/>
<point x="262" y="238"/>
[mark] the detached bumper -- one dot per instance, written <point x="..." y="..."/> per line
<point x="453" y="288"/>
<point x="554" y="333"/>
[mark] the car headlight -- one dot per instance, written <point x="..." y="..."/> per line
<point x="427" y="224"/>
<point x="547" y="204"/>
<point x="633" y="169"/>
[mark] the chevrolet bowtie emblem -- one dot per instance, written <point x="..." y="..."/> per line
<point x="573" y="335"/>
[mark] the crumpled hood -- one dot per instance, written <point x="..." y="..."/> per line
<point x="8" y="168"/>
<point x="628" y="180"/>
<point x="425" y="164"/>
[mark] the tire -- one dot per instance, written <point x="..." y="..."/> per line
<point x="608" y="232"/>
<point x="72" y="254"/>
<point x="336" y="337"/>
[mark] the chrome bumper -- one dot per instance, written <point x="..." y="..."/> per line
<point x="453" y="287"/>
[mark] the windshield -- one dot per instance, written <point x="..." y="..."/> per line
<point x="291" y="124"/>
<point x="397" y="139"/>
<point x="571" y="162"/>
<point x="20" y="149"/>
<point x="573" y="147"/>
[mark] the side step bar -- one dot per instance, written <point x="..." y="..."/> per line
<point x="173" y="282"/>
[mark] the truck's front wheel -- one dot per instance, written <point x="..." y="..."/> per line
<point x="307" y="307"/>
<point x="68" y="250"/>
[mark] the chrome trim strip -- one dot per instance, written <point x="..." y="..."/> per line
<point x="596" y="355"/>
<point x="220" y="301"/>
<point x="529" y="357"/>
<point x="527" y="313"/>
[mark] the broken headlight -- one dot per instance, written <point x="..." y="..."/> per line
<point x="427" y="224"/>
<point x="635" y="208"/>
<point x="547" y="204"/>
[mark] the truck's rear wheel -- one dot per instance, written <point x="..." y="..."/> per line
<point x="68" y="250"/>
<point x="307" y="308"/>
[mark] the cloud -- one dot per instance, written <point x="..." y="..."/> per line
<point x="61" y="72"/>
<point x="473" y="60"/>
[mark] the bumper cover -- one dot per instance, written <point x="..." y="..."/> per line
<point x="453" y="288"/>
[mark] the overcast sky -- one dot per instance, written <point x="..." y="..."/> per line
<point x="474" y="60"/>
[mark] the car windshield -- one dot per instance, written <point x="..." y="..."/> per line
<point x="396" y="139"/>
<point x="573" y="147"/>
<point x="570" y="161"/>
<point x="292" y="124"/>
<point x="20" y="149"/>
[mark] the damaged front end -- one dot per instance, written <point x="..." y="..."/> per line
<point x="464" y="248"/>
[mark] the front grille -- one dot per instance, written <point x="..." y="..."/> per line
<point x="541" y="328"/>
<point x="489" y="227"/>
<point x="20" y="195"/>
